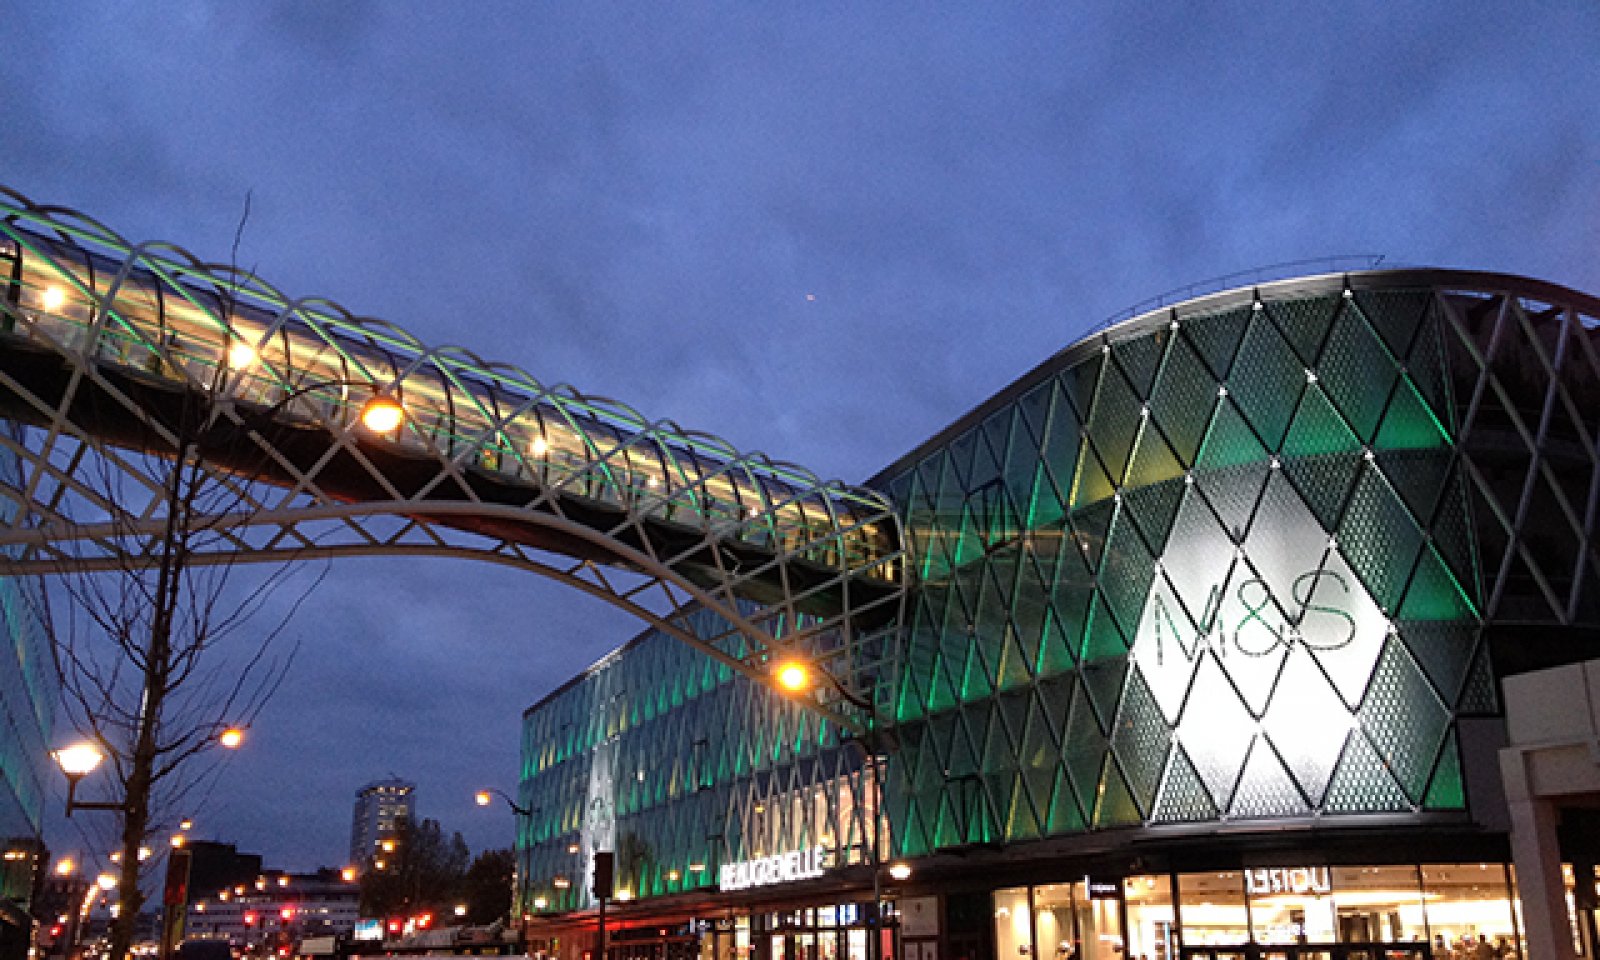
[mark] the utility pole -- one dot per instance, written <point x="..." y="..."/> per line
<point x="604" y="874"/>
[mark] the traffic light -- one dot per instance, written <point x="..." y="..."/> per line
<point x="604" y="862"/>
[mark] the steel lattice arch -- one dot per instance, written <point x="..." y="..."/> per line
<point x="101" y="341"/>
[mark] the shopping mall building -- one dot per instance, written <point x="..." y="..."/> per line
<point x="1205" y="655"/>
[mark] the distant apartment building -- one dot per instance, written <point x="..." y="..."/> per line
<point x="381" y="807"/>
<point x="277" y="907"/>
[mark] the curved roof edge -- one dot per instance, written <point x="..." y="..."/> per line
<point x="1308" y="285"/>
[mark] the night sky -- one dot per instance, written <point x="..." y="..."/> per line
<point x="822" y="231"/>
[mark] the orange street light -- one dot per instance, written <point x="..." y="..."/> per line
<point x="793" y="676"/>
<point x="231" y="738"/>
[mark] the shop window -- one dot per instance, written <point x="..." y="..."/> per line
<point x="1151" y="921"/>
<point x="1214" y="912"/>
<point x="1291" y="904"/>
<point x="1013" y="924"/>
<point x="1379" y="905"/>
<point x="1466" y="902"/>
<point x="1052" y="921"/>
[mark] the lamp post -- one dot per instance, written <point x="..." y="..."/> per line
<point x="797" y="677"/>
<point x="81" y="759"/>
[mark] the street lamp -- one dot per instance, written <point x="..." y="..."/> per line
<point x="77" y="762"/>
<point x="485" y="797"/>
<point x="799" y="677"/>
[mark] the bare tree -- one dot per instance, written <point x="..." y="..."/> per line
<point x="166" y="649"/>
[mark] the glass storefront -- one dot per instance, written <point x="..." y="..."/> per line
<point x="1292" y="912"/>
<point x="830" y="932"/>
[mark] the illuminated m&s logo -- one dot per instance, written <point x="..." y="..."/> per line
<point x="1246" y="621"/>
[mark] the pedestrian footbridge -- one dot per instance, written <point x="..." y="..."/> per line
<point x="119" y="360"/>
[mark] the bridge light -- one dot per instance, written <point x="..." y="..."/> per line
<point x="793" y="676"/>
<point x="241" y="356"/>
<point x="382" y="413"/>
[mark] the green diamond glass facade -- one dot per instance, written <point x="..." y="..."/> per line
<point x="1248" y="559"/>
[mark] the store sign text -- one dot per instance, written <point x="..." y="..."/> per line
<point x="1302" y="880"/>
<point x="779" y="868"/>
<point x="1258" y="630"/>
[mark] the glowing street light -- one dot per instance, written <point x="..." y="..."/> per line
<point x="231" y="738"/>
<point x="77" y="762"/>
<point x="106" y="881"/>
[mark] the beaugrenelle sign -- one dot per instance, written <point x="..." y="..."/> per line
<point x="778" y="868"/>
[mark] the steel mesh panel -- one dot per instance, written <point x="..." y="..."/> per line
<point x="1395" y="314"/>
<point x="1272" y="379"/>
<point x="1231" y="469"/>
<point x="1155" y="485"/>
<point x="1140" y="741"/>
<point x="1307" y="723"/>
<point x="1113" y="423"/>
<point x="1197" y="558"/>
<point x="1140" y="358"/>
<point x="1443" y="650"/>
<point x="1065" y="815"/>
<point x="1284" y="543"/>
<point x="1216" y="338"/>
<point x="1447" y="790"/>
<point x="1184" y="396"/>
<point x="1426" y="370"/>
<point x="1126" y="573"/>
<point x="1379" y="538"/>
<point x="1040" y="755"/>
<point x="1403" y="718"/>
<point x="1357" y="372"/>
<point x="1091" y="527"/>
<point x="1183" y="797"/>
<point x="1265" y="789"/>
<point x="1092" y="484"/>
<point x="1363" y="783"/>
<point x="1479" y="696"/>
<point x="1320" y="455"/>
<point x="1060" y="443"/>
<point x="1434" y="593"/>
<point x="1216" y="730"/>
<point x="1304" y="322"/>
<point x="1022" y="822"/>
<point x="1083" y="744"/>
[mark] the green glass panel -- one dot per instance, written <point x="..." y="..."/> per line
<point x="977" y="679"/>
<point x="1230" y="441"/>
<point x="1478" y="696"/>
<point x="1092" y="484"/>
<point x="1016" y="663"/>
<point x="1116" y="807"/>
<point x="968" y="544"/>
<point x="1040" y="756"/>
<point x="1045" y="511"/>
<point x="1216" y="338"/>
<point x="1065" y="816"/>
<point x="1409" y="425"/>
<point x="1022" y="823"/>
<point x="1185" y="394"/>
<point x="962" y="450"/>
<point x="1055" y="646"/>
<point x="1271" y="378"/>
<point x="1102" y="638"/>
<point x="1434" y="593"/>
<point x="999" y="751"/>
<point x="989" y="455"/>
<point x="1304" y="322"/>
